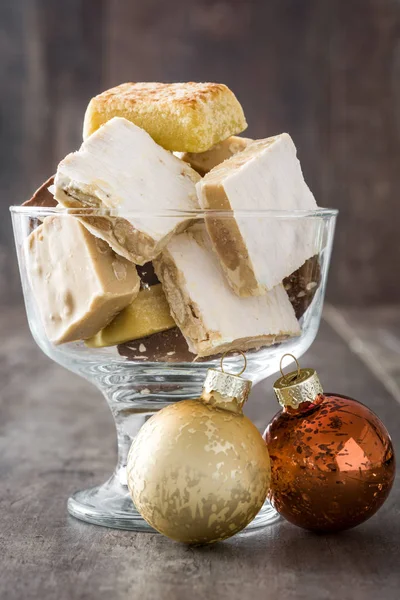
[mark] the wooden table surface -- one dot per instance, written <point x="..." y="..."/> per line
<point x="56" y="436"/>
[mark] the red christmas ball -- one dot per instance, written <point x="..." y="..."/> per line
<point x="332" y="462"/>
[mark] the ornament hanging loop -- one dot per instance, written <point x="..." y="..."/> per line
<point x="226" y="390"/>
<point x="244" y="366"/>
<point x="298" y="386"/>
<point x="297" y="364"/>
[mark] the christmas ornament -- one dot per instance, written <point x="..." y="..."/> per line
<point x="332" y="459"/>
<point x="199" y="470"/>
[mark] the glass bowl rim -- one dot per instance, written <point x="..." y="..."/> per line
<point x="41" y="211"/>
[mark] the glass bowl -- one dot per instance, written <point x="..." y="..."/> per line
<point x="140" y="377"/>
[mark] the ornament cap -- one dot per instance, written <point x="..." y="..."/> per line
<point x="298" y="386"/>
<point x="225" y="390"/>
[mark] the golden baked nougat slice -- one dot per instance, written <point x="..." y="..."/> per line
<point x="185" y="117"/>
<point x="148" y="314"/>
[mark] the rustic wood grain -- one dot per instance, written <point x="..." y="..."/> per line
<point x="15" y="86"/>
<point x="51" y="66"/>
<point x="327" y="72"/>
<point x="364" y="149"/>
<point x="56" y="435"/>
<point x="374" y="335"/>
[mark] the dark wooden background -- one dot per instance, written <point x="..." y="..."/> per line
<point x="327" y="71"/>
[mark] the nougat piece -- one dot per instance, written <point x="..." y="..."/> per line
<point x="165" y="346"/>
<point x="78" y="281"/>
<point x="147" y="275"/>
<point x="210" y="315"/>
<point x="148" y="314"/>
<point x="186" y="117"/>
<point x="203" y="162"/>
<point x="120" y="168"/>
<point x="257" y="251"/>
<point x="302" y="285"/>
<point x="43" y="197"/>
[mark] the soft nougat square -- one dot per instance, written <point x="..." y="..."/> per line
<point x="258" y="249"/>
<point x="78" y="282"/>
<point x="210" y="315"/>
<point x="141" y="186"/>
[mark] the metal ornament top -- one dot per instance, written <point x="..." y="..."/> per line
<point x="225" y="390"/>
<point x="302" y="385"/>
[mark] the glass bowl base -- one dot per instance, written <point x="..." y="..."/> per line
<point x="110" y="505"/>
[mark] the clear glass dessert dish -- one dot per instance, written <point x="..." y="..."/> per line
<point x="140" y="376"/>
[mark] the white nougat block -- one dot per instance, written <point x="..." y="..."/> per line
<point x="120" y="168"/>
<point x="258" y="250"/>
<point x="77" y="280"/>
<point x="211" y="316"/>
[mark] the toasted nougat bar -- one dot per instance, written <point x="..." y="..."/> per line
<point x="258" y="249"/>
<point x="148" y="314"/>
<point x="203" y="162"/>
<point x="78" y="282"/>
<point x="210" y="315"/>
<point x="186" y="117"/>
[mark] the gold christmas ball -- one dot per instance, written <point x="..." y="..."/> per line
<point x="199" y="473"/>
